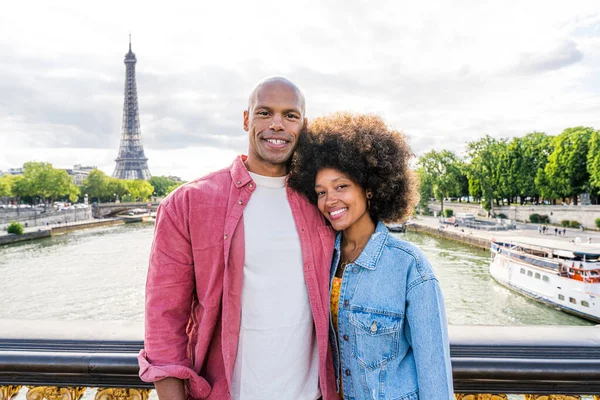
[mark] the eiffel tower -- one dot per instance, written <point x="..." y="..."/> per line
<point x="131" y="161"/>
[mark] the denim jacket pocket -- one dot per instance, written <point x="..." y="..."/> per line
<point x="376" y="338"/>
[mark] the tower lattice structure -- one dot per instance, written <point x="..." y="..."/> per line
<point x="131" y="161"/>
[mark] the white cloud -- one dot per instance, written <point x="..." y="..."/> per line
<point x="443" y="72"/>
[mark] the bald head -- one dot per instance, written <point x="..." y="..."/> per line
<point x="273" y="81"/>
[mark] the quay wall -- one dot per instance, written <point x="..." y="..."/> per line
<point x="11" y="238"/>
<point x="94" y="223"/>
<point x="38" y="218"/>
<point x="461" y="237"/>
<point x="585" y="215"/>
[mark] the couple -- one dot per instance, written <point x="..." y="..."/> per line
<point x="252" y="295"/>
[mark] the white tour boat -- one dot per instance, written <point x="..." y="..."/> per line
<point x="562" y="274"/>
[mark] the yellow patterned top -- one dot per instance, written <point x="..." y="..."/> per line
<point x="333" y="305"/>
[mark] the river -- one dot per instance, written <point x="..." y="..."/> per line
<point x="99" y="274"/>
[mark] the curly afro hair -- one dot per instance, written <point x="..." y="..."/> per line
<point x="363" y="147"/>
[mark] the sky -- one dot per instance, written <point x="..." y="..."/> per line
<point x="443" y="72"/>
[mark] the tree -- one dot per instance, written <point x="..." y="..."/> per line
<point x="441" y="169"/>
<point x="117" y="187"/>
<point x="5" y="186"/>
<point x="526" y="156"/>
<point x="96" y="185"/>
<point x="484" y="168"/>
<point x="567" y="165"/>
<point x="593" y="162"/>
<point x="140" y="190"/>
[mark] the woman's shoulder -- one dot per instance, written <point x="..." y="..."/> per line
<point x="409" y="255"/>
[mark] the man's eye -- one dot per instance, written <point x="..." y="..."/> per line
<point x="262" y="113"/>
<point x="294" y="116"/>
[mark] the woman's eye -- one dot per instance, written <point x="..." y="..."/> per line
<point x="319" y="194"/>
<point x="340" y="187"/>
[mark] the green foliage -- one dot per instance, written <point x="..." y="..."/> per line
<point x="448" y="212"/>
<point x="5" y="186"/>
<point x="163" y="185"/>
<point x="574" y="224"/>
<point x="597" y="221"/>
<point x="139" y="190"/>
<point x="567" y="165"/>
<point x="565" y="223"/>
<point x="541" y="219"/>
<point x="441" y="172"/>
<point x="15" y="228"/>
<point x="486" y="169"/>
<point x="593" y="162"/>
<point x="96" y="185"/>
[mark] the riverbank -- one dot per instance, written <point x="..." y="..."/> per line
<point x="34" y="233"/>
<point x="482" y="239"/>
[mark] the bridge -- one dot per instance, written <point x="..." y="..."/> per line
<point x="62" y="359"/>
<point x="108" y="210"/>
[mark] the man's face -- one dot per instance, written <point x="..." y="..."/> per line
<point x="274" y="120"/>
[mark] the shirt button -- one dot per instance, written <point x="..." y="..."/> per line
<point x="239" y="182"/>
<point x="251" y="184"/>
<point x="347" y="372"/>
<point x="346" y="338"/>
<point x="225" y="236"/>
<point x="346" y="302"/>
<point x="355" y="270"/>
<point x="240" y="202"/>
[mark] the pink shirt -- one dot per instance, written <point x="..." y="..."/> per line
<point x="194" y="285"/>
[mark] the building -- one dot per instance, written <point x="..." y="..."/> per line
<point x="79" y="173"/>
<point x="131" y="160"/>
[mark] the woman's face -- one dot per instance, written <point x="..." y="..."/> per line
<point x="341" y="200"/>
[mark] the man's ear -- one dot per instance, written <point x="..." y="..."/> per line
<point x="246" y="120"/>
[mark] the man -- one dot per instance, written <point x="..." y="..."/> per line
<point x="238" y="285"/>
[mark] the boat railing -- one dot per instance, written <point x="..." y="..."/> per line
<point x="70" y="359"/>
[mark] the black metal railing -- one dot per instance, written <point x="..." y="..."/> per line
<point x="485" y="359"/>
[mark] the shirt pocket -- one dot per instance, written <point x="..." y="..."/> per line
<point x="376" y="338"/>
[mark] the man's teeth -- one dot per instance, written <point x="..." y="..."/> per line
<point x="337" y="212"/>
<point x="276" y="141"/>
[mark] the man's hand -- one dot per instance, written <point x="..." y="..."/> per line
<point x="170" y="389"/>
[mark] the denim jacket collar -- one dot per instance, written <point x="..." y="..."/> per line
<point x="370" y="255"/>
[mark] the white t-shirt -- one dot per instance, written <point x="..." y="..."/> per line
<point x="277" y="355"/>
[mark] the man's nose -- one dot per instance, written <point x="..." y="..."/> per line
<point x="277" y="123"/>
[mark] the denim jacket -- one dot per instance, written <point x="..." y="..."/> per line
<point x="392" y="330"/>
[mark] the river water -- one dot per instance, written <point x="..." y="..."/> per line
<point x="99" y="274"/>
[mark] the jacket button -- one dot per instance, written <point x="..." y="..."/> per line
<point x="346" y="302"/>
<point x="346" y="338"/>
<point x="240" y="202"/>
<point x="239" y="182"/>
<point x="355" y="270"/>
<point x="251" y="184"/>
<point x="374" y="327"/>
<point x="225" y="236"/>
<point x="347" y="372"/>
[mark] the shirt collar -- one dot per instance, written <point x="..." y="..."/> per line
<point x="370" y="255"/>
<point x="239" y="173"/>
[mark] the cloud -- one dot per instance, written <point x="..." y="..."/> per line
<point x="565" y="54"/>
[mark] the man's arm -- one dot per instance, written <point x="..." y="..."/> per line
<point x="169" y="291"/>
<point x="170" y="389"/>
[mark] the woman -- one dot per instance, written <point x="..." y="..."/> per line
<point x="388" y="325"/>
